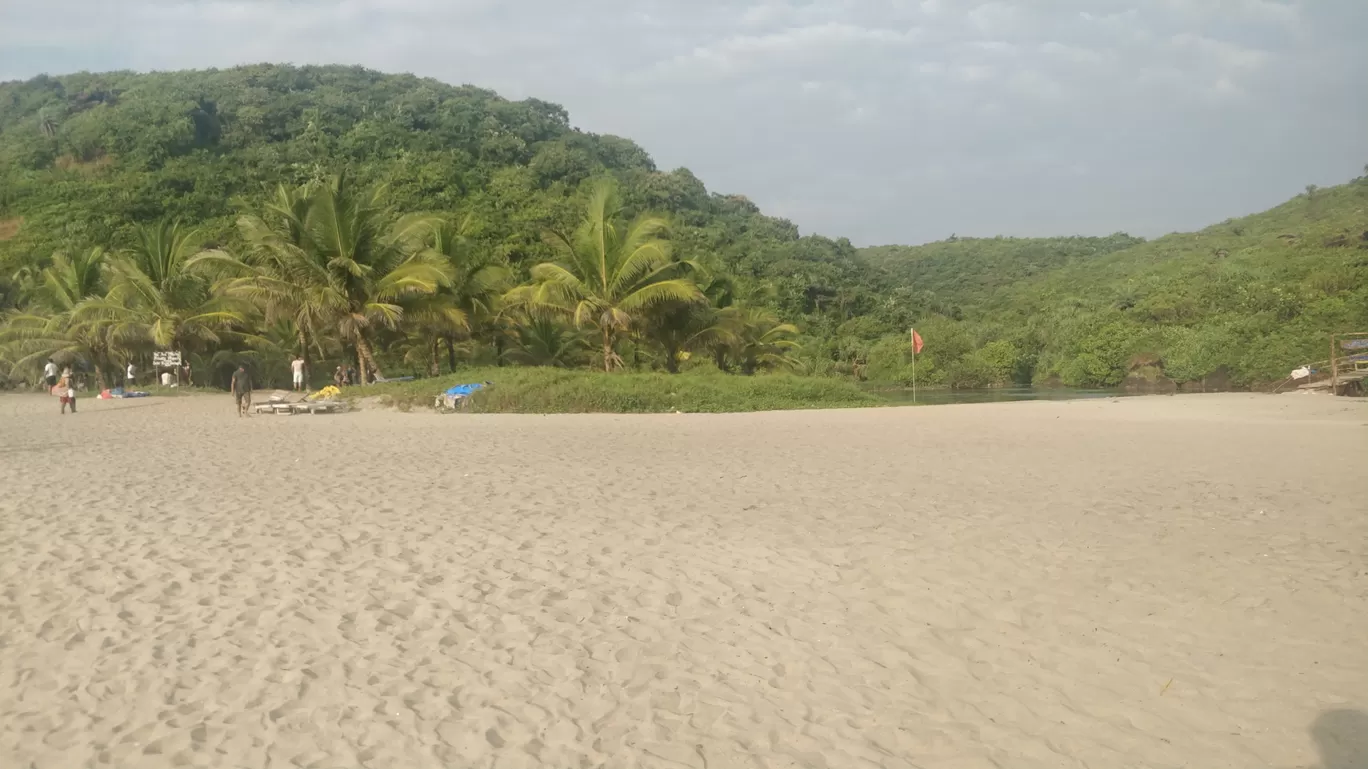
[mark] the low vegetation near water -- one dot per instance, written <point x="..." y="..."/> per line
<point x="250" y="214"/>
<point x="545" y="390"/>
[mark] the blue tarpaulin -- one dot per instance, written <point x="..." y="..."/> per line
<point x="466" y="389"/>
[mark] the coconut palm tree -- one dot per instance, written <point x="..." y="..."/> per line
<point x="331" y="259"/>
<point x="266" y="274"/>
<point x="678" y="328"/>
<point x="469" y="301"/>
<point x="160" y="295"/>
<point x="69" y="280"/>
<point x="49" y="329"/>
<point x="540" y="339"/>
<point x="610" y="272"/>
<point x="362" y="267"/>
<point x="760" y="340"/>
<point x="27" y="340"/>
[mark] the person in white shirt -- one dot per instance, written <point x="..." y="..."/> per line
<point x="297" y="369"/>
<point x="50" y="374"/>
<point x="130" y="377"/>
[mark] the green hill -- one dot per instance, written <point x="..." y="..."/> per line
<point x="93" y="160"/>
<point x="86" y="157"/>
<point x="1246" y="299"/>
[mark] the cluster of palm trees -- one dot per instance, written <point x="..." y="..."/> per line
<point x="327" y="270"/>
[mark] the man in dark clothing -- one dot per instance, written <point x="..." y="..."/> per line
<point x="242" y="389"/>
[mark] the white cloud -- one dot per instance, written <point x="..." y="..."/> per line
<point x="1071" y="53"/>
<point x="734" y="55"/>
<point x="972" y="73"/>
<point x="1226" y="55"/>
<point x="1033" y="84"/>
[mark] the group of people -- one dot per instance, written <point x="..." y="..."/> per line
<point x="170" y="376"/>
<point x="342" y="375"/>
<point x="346" y="376"/>
<point x="240" y="383"/>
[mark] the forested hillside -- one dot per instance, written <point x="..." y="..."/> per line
<point x="1246" y="299"/>
<point x="139" y="211"/>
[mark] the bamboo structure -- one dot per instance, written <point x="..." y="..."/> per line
<point x="1352" y="360"/>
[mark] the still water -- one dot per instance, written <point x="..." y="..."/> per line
<point x="993" y="395"/>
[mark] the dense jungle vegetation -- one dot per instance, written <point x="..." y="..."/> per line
<point x="410" y="226"/>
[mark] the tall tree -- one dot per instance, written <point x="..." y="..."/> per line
<point x="50" y="330"/>
<point x="760" y="339"/>
<point x="161" y="296"/>
<point x="610" y="271"/>
<point x="332" y="257"/>
<point x="469" y="301"/>
<point x="276" y="248"/>
<point x="365" y="265"/>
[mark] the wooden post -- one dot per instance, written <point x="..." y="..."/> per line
<point x="1334" y="367"/>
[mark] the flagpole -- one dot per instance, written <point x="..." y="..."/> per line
<point x="913" y="339"/>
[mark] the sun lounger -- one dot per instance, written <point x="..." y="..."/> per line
<point x="278" y="402"/>
<point x="319" y="407"/>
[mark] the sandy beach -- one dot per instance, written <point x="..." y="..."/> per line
<point x="1144" y="582"/>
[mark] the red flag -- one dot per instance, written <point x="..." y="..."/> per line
<point x="916" y="342"/>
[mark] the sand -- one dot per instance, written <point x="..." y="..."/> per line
<point x="1150" y="582"/>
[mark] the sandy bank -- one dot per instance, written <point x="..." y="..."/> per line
<point x="1160" y="582"/>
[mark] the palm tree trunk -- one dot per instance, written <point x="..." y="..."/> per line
<point x="366" y="358"/>
<point x="671" y="359"/>
<point x="720" y="358"/>
<point x="607" y="350"/>
<point x="434" y="358"/>
<point x="451" y="353"/>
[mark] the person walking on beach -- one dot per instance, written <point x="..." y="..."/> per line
<point x="242" y="389"/>
<point x="339" y="377"/>
<point x="130" y="377"/>
<point x="297" y="372"/>
<point x="50" y="374"/>
<point x="69" y="396"/>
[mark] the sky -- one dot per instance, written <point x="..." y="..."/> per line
<point x="885" y="121"/>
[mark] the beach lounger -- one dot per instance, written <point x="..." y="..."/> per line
<point x="318" y="407"/>
<point x="278" y="402"/>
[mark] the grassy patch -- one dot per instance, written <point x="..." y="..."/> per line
<point x="561" y="391"/>
<point x="172" y="392"/>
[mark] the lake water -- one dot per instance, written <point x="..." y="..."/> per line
<point x="993" y="395"/>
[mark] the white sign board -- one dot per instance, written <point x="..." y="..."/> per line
<point x="165" y="359"/>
